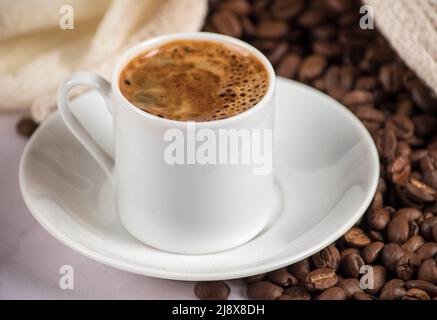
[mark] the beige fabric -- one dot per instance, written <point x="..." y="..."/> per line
<point x="411" y="28"/>
<point x="36" y="54"/>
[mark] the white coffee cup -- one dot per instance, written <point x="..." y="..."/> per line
<point x="183" y="208"/>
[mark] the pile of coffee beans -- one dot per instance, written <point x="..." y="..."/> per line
<point x="320" y="43"/>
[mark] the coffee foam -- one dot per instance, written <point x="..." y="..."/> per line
<point x="194" y="80"/>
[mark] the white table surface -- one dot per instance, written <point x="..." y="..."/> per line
<point x="30" y="258"/>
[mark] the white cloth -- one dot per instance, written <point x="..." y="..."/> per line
<point x="411" y="28"/>
<point x="36" y="54"/>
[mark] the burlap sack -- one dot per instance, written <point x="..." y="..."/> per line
<point x="36" y="54"/>
<point x="411" y="28"/>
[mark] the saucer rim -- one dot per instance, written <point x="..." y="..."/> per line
<point x="213" y="275"/>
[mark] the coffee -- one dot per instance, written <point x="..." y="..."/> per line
<point x="194" y="80"/>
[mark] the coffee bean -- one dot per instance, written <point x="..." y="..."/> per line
<point x="414" y="243"/>
<point x="300" y="269"/>
<point x="282" y="277"/>
<point x="311" y="17"/>
<point x="278" y="52"/>
<point x="363" y="296"/>
<point x="327" y="48"/>
<point x="428" y="165"/>
<point x="227" y="22"/>
<point x="423" y="97"/>
<point x="327" y="258"/>
<point x="425" y="125"/>
<point x="398" y="230"/>
<point x="212" y="290"/>
<point x="241" y="7"/>
<point x="351" y="265"/>
<point x="248" y="27"/>
<point x="399" y="169"/>
<point x="426" y="227"/>
<point x="255" y="278"/>
<point x="26" y="127"/>
<point x="428" y="271"/>
<point x="416" y="294"/>
<point x="272" y="29"/>
<point x="339" y="6"/>
<point x="287" y="8"/>
<point x="358" y="97"/>
<point x="426" y="286"/>
<point x="320" y="279"/>
<point x="388" y="143"/>
<point x="390" y="255"/>
<point x="333" y="293"/>
<point x="264" y="290"/>
<point x="312" y="67"/>
<point x="395" y="289"/>
<point x="297" y="293"/>
<point x="324" y="32"/>
<point x="390" y="76"/>
<point x="366" y="83"/>
<point x="407" y="266"/>
<point x="356" y="237"/>
<point x="402" y="126"/>
<point x="378" y="219"/>
<point x="350" y="286"/>
<point x="380" y="275"/>
<point x="289" y="65"/>
<point x="372" y="251"/>
<point x="410" y="214"/>
<point x="419" y="192"/>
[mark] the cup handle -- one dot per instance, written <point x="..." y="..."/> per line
<point x="104" y="88"/>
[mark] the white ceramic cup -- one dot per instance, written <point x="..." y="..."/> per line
<point x="183" y="208"/>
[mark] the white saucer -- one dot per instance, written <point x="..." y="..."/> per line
<point x="326" y="168"/>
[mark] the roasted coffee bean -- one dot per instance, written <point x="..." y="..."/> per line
<point x="414" y="243"/>
<point x="363" y="296"/>
<point x="366" y="83"/>
<point x="378" y="219"/>
<point x="321" y="279"/>
<point x="327" y="48"/>
<point x="399" y="169"/>
<point x="410" y="214"/>
<point x="426" y="226"/>
<point x="311" y="17"/>
<point x="426" y="286"/>
<point x="324" y="32"/>
<point x="418" y="191"/>
<point x="390" y="76"/>
<point x="428" y="271"/>
<point x="356" y="237"/>
<point x="416" y="294"/>
<point x="380" y="275"/>
<point x="351" y="265"/>
<point x="407" y="266"/>
<point x="388" y="143"/>
<point x="312" y="67"/>
<point x="398" y="230"/>
<point x="297" y="293"/>
<point x="227" y="22"/>
<point x="289" y="65"/>
<point x="423" y="97"/>
<point x="241" y="7"/>
<point x="425" y="125"/>
<point x="402" y="126"/>
<point x="372" y="251"/>
<point x="358" y="97"/>
<point x="282" y="277"/>
<point x="287" y="8"/>
<point x="327" y="258"/>
<point x="278" y="52"/>
<point x="300" y="269"/>
<point x="255" y="278"/>
<point x="390" y="255"/>
<point x="428" y="165"/>
<point x="272" y="29"/>
<point x="212" y="290"/>
<point x="376" y="235"/>
<point x="368" y="113"/>
<point x="405" y="108"/>
<point x="26" y="127"/>
<point x="248" y="27"/>
<point x="350" y="286"/>
<point x="339" y="6"/>
<point x="264" y="290"/>
<point x="395" y="289"/>
<point x="333" y="293"/>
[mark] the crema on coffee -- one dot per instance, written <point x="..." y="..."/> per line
<point x="194" y="80"/>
